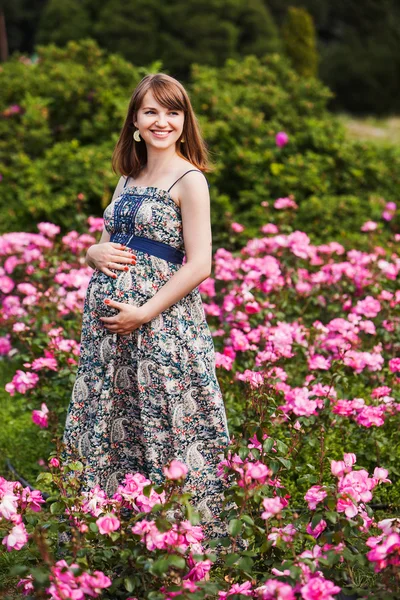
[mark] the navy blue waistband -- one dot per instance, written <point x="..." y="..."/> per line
<point x="154" y="247"/>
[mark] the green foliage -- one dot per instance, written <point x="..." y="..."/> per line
<point x="70" y="106"/>
<point x="298" y="33"/>
<point x="61" y="22"/>
<point x="179" y="32"/>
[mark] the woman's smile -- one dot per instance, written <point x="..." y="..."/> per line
<point x="160" y="134"/>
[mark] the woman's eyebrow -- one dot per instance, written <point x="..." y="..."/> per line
<point x="152" y="108"/>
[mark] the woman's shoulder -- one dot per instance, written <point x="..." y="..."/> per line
<point x="187" y="167"/>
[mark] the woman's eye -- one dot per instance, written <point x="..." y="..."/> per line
<point x="151" y="111"/>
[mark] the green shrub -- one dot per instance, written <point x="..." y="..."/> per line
<point x="63" y="114"/>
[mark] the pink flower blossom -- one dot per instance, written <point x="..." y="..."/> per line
<point x="255" y="378"/>
<point x="394" y="365"/>
<point x="381" y="474"/>
<point x="314" y="496"/>
<point x="369" y="226"/>
<point x="319" y="588"/>
<point x="17" y="538"/>
<point x="275" y="590"/>
<point x="281" y="139"/>
<point x="22" y="382"/>
<point x="273" y="506"/>
<point x="27" y="585"/>
<point x="44" y="363"/>
<point x="371" y="416"/>
<point x="199" y="570"/>
<point x="237" y="227"/>
<point x="282" y="203"/>
<point x="95" y="224"/>
<point x="40" y="417"/>
<point x="269" y="228"/>
<point x="54" y="462"/>
<point x="108" y="523"/>
<point x="5" y="345"/>
<point x="48" y="229"/>
<point x="369" y="307"/>
<point x="318" y="529"/>
<point x="175" y="470"/>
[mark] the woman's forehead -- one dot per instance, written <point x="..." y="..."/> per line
<point x="149" y="101"/>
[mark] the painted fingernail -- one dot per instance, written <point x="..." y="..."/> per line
<point x="114" y="276"/>
<point x="107" y="301"/>
<point x="126" y="268"/>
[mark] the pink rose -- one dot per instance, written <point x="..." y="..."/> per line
<point x="17" y="538"/>
<point x="319" y="589"/>
<point x="39" y="417"/>
<point x="54" y="462"/>
<point x="273" y="506"/>
<point x="175" y="470"/>
<point x="318" y="529"/>
<point x="108" y="523"/>
<point x="281" y="139"/>
<point x="314" y="496"/>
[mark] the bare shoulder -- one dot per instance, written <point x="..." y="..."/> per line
<point x="193" y="184"/>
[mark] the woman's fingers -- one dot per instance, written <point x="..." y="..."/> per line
<point x="123" y="257"/>
<point x="119" y="266"/>
<point x="108" y="272"/>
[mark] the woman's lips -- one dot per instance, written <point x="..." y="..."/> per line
<point x="161" y="135"/>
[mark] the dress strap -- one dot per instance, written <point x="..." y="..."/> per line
<point x="126" y="181"/>
<point x="184" y="176"/>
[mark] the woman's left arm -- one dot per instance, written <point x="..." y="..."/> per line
<point x="197" y="237"/>
<point x="196" y="223"/>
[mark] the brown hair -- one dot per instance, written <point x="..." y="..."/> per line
<point x="129" y="156"/>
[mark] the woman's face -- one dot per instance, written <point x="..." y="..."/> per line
<point x="158" y="126"/>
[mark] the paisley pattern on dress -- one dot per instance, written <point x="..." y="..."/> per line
<point x="145" y="398"/>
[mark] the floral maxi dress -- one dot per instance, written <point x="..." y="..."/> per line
<point x="142" y="399"/>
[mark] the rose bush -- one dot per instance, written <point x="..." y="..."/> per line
<point x="307" y="340"/>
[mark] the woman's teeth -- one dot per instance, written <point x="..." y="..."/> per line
<point x="160" y="134"/>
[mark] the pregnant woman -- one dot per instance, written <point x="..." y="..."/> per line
<point x="146" y="390"/>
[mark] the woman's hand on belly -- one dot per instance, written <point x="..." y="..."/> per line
<point x="110" y="255"/>
<point x="127" y="320"/>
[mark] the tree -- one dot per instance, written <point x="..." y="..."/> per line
<point x="299" y="39"/>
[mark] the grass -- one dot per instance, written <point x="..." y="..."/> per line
<point x="20" y="439"/>
<point x="381" y="131"/>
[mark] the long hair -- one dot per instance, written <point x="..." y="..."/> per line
<point x="129" y="157"/>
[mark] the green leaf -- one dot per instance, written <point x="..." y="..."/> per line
<point x="75" y="466"/>
<point x="45" y="477"/>
<point x="235" y="527"/>
<point x="243" y="452"/>
<point x="230" y="559"/>
<point x="129" y="583"/>
<point x="247" y="519"/>
<point x="176" y="561"/>
<point x="57" y="508"/>
<point x="285" y="461"/>
<point x="245" y="563"/>
<point x="274" y="466"/>
<point x="281" y="447"/>
<point x="268" y="445"/>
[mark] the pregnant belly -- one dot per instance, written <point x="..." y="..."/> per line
<point x="124" y="289"/>
<point x="134" y="286"/>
